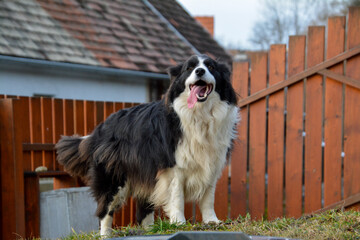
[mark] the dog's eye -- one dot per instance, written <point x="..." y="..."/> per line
<point x="190" y="68"/>
<point x="210" y="67"/>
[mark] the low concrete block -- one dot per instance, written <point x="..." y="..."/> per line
<point x="65" y="209"/>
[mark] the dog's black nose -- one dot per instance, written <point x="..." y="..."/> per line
<point x="200" y="71"/>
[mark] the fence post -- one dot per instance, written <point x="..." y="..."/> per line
<point x="12" y="175"/>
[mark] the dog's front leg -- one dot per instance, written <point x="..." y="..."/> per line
<point x="175" y="206"/>
<point x="206" y="205"/>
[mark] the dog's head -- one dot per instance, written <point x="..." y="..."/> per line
<point x="199" y="79"/>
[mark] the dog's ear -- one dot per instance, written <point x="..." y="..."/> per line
<point x="174" y="71"/>
<point x="225" y="71"/>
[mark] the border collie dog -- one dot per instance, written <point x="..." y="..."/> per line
<point x="162" y="153"/>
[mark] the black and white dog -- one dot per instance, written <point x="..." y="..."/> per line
<point x="162" y="153"/>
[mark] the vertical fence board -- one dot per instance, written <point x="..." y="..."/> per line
<point x="26" y="132"/>
<point x="313" y="121"/>
<point x="188" y="211"/>
<point x="46" y="131"/>
<point x="239" y="155"/>
<point x="257" y="137"/>
<point x="7" y="171"/>
<point x="352" y="111"/>
<point x="276" y="133"/>
<point x="99" y="114"/>
<point x="89" y="117"/>
<point x="221" y="195"/>
<point x="119" y="106"/>
<point x="333" y="115"/>
<point x="69" y="129"/>
<point x="18" y="128"/>
<point x="35" y="121"/>
<point x="79" y="117"/>
<point x="109" y="109"/>
<point x="58" y="125"/>
<point x="69" y="117"/>
<point x="32" y="207"/>
<point x="12" y="178"/>
<point x="294" y="128"/>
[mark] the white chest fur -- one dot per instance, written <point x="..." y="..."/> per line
<point x="208" y="129"/>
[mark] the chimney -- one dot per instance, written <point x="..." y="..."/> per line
<point x="207" y="22"/>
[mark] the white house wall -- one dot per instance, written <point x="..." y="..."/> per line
<point x="71" y="85"/>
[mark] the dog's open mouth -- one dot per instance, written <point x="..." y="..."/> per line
<point x="199" y="92"/>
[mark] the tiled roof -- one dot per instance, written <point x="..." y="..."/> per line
<point x="109" y="33"/>
<point x="190" y="29"/>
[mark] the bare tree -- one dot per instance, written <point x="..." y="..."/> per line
<point x="281" y="18"/>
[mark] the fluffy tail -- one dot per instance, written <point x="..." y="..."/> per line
<point x="71" y="152"/>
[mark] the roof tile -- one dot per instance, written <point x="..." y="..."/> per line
<point x="122" y="34"/>
<point x="190" y="29"/>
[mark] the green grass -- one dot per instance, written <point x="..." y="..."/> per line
<point x="333" y="224"/>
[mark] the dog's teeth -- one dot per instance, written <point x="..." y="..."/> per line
<point x="203" y="97"/>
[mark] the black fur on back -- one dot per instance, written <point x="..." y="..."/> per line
<point x="134" y="144"/>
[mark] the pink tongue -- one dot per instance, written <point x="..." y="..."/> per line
<point x="192" y="99"/>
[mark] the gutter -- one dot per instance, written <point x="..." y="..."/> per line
<point x="75" y="67"/>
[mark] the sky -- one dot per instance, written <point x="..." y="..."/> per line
<point x="234" y="19"/>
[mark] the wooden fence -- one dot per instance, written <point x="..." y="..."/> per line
<point x="298" y="148"/>
<point x="29" y="129"/>
<point x="299" y="138"/>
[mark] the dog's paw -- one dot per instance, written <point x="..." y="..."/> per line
<point x="105" y="232"/>
<point x="178" y="219"/>
<point x="212" y="221"/>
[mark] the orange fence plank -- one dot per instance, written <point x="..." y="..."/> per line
<point x="221" y="195"/>
<point x="69" y="117"/>
<point x="26" y="132"/>
<point x="8" y="220"/>
<point x="294" y="128"/>
<point x="12" y="177"/>
<point x="128" y="105"/>
<point x="35" y="132"/>
<point x="109" y="108"/>
<point x="352" y="110"/>
<point x="189" y="211"/>
<point x="119" y="106"/>
<point x="58" y="124"/>
<point x="79" y="120"/>
<point x="313" y="121"/>
<point x="46" y="131"/>
<point x="276" y="133"/>
<point x="333" y="115"/>
<point x="89" y="117"/>
<point x="239" y="155"/>
<point x="99" y="114"/>
<point x="18" y="110"/>
<point x="257" y="137"/>
<point x="32" y="207"/>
